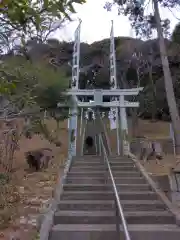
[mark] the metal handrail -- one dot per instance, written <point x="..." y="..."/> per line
<point x="105" y="132"/>
<point x="117" y="198"/>
<point x="106" y="135"/>
<point x="83" y="138"/>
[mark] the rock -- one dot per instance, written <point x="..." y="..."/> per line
<point x="15" y="236"/>
<point x="23" y="220"/>
<point x="49" y="189"/>
<point x="32" y="222"/>
<point x="145" y="149"/>
<point x="21" y="190"/>
<point x="1" y="234"/>
<point x="40" y="184"/>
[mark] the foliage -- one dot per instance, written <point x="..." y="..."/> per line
<point x="25" y="14"/>
<point x="176" y="34"/>
<point x="147" y="57"/>
<point x="20" y="80"/>
<point x="143" y="24"/>
<point x="132" y="55"/>
<point x="32" y="83"/>
<point x="36" y="88"/>
<point x="28" y="86"/>
<point x="4" y="178"/>
<point x="21" y="20"/>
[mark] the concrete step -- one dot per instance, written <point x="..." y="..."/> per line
<point x="108" y="231"/>
<point x="85" y="180"/>
<point x="101" y="163"/>
<point x="108" y="217"/>
<point x="117" y="157"/>
<point x="128" y="205"/>
<point x="87" y="158"/>
<point x="122" y="180"/>
<point x="95" y="174"/>
<point x="120" y="158"/>
<point x="102" y="168"/>
<point x="105" y="187"/>
<point x="100" y="159"/>
<point x="101" y="195"/>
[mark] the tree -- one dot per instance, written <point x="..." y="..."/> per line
<point x="25" y="14"/>
<point x="144" y="25"/>
<point x="31" y="93"/>
<point x="150" y="53"/>
<point x="129" y="68"/>
<point x="26" y="19"/>
<point x="176" y="34"/>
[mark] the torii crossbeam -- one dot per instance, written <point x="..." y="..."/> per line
<point x="98" y="102"/>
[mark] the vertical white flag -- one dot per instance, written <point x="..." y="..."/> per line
<point x="76" y="55"/>
<point x="113" y="118"/>
<point x="113" y="81"/>
<point x="72" y="121"/>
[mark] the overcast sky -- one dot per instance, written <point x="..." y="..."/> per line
<point x="96" y="22"/>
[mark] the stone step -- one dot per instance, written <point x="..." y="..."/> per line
<point x="104" y="187"/>
<point x="122" y="180"/>
<point x="102" y="168"/>
<point x="114" y="160"/>
<point x="95" y="174"/>
<point x="108" y="217"/>
<point x="108" y="231"/>
<point x="100" y="164"/>
<point x="96" y="157"/>
<point x="100" y="160"/>
<point x="127" y="205"/>
<point x="120" y="157"/>
<point x="101" y="195"/>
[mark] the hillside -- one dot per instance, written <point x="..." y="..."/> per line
<point x="138" y="63"/>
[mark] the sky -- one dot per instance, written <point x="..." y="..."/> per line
<point x="96" y="22"/>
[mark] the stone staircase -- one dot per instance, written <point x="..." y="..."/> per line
<point x="86" y="210"/>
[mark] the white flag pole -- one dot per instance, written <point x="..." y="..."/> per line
<point x="72" y="121"/>
<point x="114" y="121"/>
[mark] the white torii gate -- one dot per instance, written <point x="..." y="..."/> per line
<point x="117" y="94"/>
<point x="98" y="102"/>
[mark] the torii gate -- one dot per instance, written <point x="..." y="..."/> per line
<point x="114" y="93"/>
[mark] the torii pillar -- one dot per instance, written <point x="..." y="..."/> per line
<point x="124" y="128"/>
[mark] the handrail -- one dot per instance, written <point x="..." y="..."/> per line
<point x="105" y="132"/>
<point x="117" y="198"/>
<point x="106" y="135"/>
<point x="83" y="138"/>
